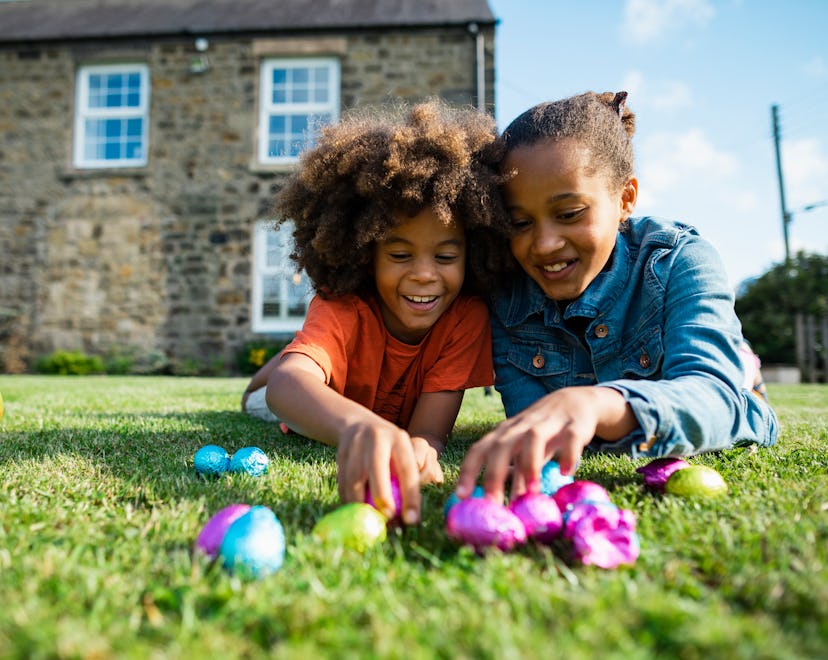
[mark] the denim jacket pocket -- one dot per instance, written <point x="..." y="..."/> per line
<point x="539" y="359"/>
<point x="643" y="356"/>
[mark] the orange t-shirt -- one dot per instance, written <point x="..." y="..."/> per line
<point x="346" y="337"/>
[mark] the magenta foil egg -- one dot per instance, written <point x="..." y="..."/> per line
<point x="212" y="534"/>
<point x="579" y="491"/>
<point x="395" y="493"/>
<point x="540" y="515"/>
<point x="657" y="472"/>
<point x="482" y="523"/>
<point x="602" y="534"/>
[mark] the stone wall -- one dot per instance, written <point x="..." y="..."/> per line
<point x="160" y="258"/>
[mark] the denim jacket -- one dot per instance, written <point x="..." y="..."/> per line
<point x="657" y="325"/>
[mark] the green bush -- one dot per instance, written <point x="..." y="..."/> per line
<point x="75" y="363"/>
<point x="257" y="352"/>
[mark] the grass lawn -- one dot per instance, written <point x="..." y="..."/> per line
<point x="99" y="509"/>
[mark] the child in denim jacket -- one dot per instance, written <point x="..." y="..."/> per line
<point x="617" y="333"/>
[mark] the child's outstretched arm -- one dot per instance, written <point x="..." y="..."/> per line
<point x="367" y="445"/>
<point x="259" y="379"/>
<point x="557" y="425"/>
<point x="430" y="425"/>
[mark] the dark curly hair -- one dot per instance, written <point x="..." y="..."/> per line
<point x="376" y="167"/>
<point x="601" y="122"/>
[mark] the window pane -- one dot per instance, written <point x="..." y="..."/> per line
<point x="301" y="76"/>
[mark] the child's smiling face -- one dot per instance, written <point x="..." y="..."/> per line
<point x="419" y="269"/>
<point x="565" y="213"/>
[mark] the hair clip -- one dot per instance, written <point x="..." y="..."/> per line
<point x="618" y="103"/>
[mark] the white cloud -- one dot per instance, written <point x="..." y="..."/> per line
<point x="805" y="167"/>
<point x="671" y="160"/>
<point x="650" y="19"/>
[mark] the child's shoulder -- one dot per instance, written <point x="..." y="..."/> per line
<point x="658" y="232"/>
<point x="469" y="306"/>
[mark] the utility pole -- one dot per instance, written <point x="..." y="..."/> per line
<point x="786" y="216"/>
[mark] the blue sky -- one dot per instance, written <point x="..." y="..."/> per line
<point x="702" y="77"/>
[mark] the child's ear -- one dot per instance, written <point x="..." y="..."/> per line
<point x="629" y="196"/>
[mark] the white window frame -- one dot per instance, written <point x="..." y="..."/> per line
<point x="84" y="112"/>
<point x="268" y="109"/>
<point x="284" y="323"/>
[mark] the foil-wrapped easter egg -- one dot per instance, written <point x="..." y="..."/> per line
<point x="552" y="479"/>
<point x="211" y="460"/>
<point x="357" y="526"/>
<point x="212" y="534"/>
<point x="696" y="481"/>
<point x="482" y="523"/>
<point x="251" y="460"/>
<point x="657" y="472"/>
<point x="395" y="494"/>
<point x="254" y="544"/>
<point x="540" y="515"/>
<point x="579" y="491"/>
<point x="602" y="534"/>
<point x="453" y="499"/>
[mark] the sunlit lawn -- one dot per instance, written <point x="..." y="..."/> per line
<point x="99" y="509"/>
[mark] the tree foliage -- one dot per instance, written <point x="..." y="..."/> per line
<point x="767" y="305"/>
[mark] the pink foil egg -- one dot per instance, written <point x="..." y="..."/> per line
<point x="657" y="472"/>
<point x="482" y="523"/>
<point x="395" y="493"/>
<point x="602" y="535"/>
<point x="212" y="534"/>
<point x="540" y="515"/>
<point x="579" y="491"/>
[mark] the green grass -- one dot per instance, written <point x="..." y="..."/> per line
<point x="99" y="509"/>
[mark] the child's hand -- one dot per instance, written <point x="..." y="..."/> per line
<point x="367" y="453"/>
<point x="427" y="461"/>
<point x="558" y="426"/>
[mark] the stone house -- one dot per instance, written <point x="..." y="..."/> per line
<point x="141" y="142"/>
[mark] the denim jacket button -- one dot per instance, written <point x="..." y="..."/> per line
<point x="601" y="331"/>
<point x="644" y="360"/>
<point x="538" y="361"/>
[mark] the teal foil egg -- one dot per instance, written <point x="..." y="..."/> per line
<point x="552" y="479"/>
<point x="251" y="460"/>
<point x="211" y="460"/>
<point x="254" y="545"/>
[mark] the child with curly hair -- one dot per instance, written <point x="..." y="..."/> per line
<point x="397" y="220"/>
<point x="617" y="333"/>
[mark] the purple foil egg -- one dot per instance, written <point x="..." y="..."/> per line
<point x="482" y="523"/>
<point x="579" y="491"/>
<point x="540" y="515"/>
<point x="395" y="494"/>
<point x="657" y="472"/>
<point x="602" y="535"/>
<point x="212" y="534"/>
<point x="453" y="499"/>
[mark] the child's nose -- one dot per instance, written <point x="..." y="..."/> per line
<point x="423" y="269"/>
<point x="546" y="238"/>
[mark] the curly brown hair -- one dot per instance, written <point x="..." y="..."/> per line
<point x="378" y="166"/>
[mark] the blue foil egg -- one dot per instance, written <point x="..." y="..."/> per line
<point x="254" y="545"/>
<point x="552" y="479"/>
<point x="251" y="460"/>
<point x="211" y="460"/>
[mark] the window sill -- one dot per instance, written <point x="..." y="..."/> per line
<point x="72" y="173"/>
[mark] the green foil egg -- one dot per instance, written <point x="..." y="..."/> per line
<point x="357" y="526"/>
<point x="696" y="481"/>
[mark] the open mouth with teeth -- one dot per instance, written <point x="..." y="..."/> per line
<point x="557" y="267"/>
<point x="421" y="300"/>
